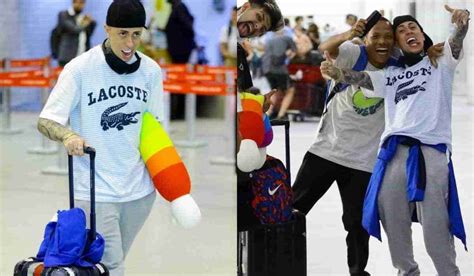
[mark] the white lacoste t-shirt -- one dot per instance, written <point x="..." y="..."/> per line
<point x="106" y="109"/>
<point x="418" y="99"/>
<point x="349" y="132"/>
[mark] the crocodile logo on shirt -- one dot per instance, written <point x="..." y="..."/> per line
<point x="403" y="94"/>
<point x="365" y="106"/>
<point x="117" y="120"/>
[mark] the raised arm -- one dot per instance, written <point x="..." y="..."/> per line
<point x="461" y="19"/>
<point x="331" y="45"/>
<point x="349" y="76"/>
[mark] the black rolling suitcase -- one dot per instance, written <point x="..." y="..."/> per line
<point x="34" y="267"/>
<point x="275" y="250"/>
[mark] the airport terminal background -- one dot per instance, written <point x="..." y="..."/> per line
<point x="29" y="196"/>
<point x="26" y="27"/>
<point x="430" y="14"/>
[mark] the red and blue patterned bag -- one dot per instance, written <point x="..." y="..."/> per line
<point x="272" y="195"/>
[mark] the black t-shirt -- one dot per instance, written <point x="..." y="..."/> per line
<point x="244" y="79"/>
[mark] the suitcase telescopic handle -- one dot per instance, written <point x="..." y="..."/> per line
<point x="286" y="124"/>
<point x="91" y="152"/>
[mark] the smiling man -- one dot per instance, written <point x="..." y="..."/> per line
<point x="104" y="93"/>
<point x="345" y="148"/>
<point x="254" y="18"/>
<point x="413" y="176"/>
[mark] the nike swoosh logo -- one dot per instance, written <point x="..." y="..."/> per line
<point x="272" y="192"/>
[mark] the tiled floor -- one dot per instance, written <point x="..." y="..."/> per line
<point x="28" y="200"/>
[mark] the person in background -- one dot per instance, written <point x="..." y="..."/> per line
<point x="180" y="32"/>
<point x="255" y="18"/>
<point x="303" y="42"/>
<point x="313" y="34"/>
<point x="351" y="19"/>
<point x="288" y="30"/>
<point x="299" y="20"/>
<point x="228" y="40"/>
<point x="278" y="51"/>
<point x="75" y="30"/>
<point x="180" y="37"/>
<point x="327" y="31"/>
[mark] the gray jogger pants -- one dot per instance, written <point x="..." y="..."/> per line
<point x="396" y="213"/>
<point x="119" y="224"/>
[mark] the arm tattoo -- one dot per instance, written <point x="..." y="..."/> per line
<point x="455" y="42"/>
<point x="53" y="130"/>
<point x="357" y="78"/>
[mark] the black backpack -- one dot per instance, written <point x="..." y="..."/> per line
<point x="54" y="41"/>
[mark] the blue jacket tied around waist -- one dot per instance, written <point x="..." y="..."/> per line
<point x="66" y="241"/>
<point x="416" y="183"/>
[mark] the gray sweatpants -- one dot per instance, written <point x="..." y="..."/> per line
<point x="396" y="213"/>
<point x="119" y="224"/>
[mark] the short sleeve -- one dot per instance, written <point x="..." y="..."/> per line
<point x="348" y="55"/>
<point x="156" y="103"/>
<point x="63" y="98"/>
